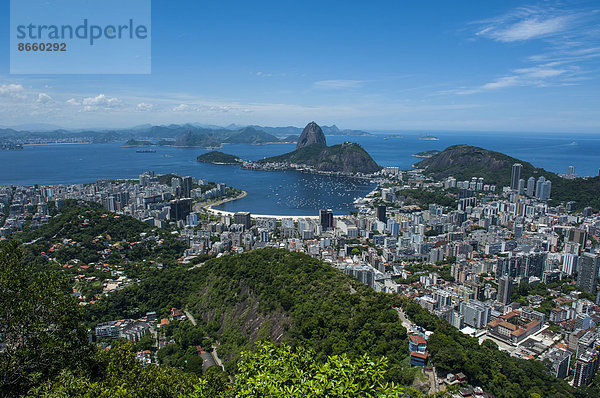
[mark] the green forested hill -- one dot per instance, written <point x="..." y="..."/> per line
<point x="87" y="232"/>
<point x="272" y="294"/>
<point x="218" y="157"/>
<point x="464" y="161"/>
<point x="292" y="297"/>
<point x="348" y="157"/>
<point x="54" y="358"/>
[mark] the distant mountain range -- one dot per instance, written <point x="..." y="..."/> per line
<point x="327" y="130"/>
<point x="190" y="134"/>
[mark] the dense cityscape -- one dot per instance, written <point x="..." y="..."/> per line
<point x="316" y="199"/>
<point x="498" y="264"/>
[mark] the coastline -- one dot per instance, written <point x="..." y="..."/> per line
<point x="308" y="171"/>
<point x="208" y="206"/>
<point x="61" y="143"/>
<point x="209" y="209"/>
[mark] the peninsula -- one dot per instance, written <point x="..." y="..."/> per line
<point x="313" y="154"/>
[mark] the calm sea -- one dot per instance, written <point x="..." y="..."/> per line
<point x="284" y="192"/>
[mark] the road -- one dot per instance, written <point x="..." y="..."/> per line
<point x="216" y="356"/>
<point x="411" y="327"/>
<point x="190" y="317"/>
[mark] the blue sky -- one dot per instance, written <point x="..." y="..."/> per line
<point x="389" y="65"/>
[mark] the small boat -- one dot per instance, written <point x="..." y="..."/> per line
<point x="145" y="151"/>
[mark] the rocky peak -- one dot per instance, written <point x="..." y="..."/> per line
<point x="312" y="134"/>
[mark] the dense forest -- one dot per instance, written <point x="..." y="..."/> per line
<point x="268" y="294"/>
<point x="55" y="359"/>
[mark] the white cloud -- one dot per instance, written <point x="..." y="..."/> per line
<point x="502" y="82"/>
<point x="12" y="91"/>
<point x="144" y="107"/>
<point x="44" y="98"/>
<point x="73" y="101"/>
<point x="568" y="39"/>
<point x="537" y="76"/>
<point x="100" y="101"/>
<point x="527" y="29"/>
<point x="339" y="84"/>
<point x="531" y="23"/>
<point x="183" y="108"/>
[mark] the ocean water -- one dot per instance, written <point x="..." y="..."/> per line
<point x="284" y="192"/>
<point x="554" y="152"/>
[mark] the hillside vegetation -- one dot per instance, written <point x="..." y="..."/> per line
<point x="292" y="297"/>
<point x="54" y="358"/>
<point x="218" y="157"/>
<point x="207" y="138"/>
<point x="348" y="158"/>
<point x="268" y="294"/>
<point x="464" y="161"/>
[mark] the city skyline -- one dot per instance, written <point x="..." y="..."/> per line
<point x="507" y="66"/>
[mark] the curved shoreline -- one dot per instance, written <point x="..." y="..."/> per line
<point x="208" y="206"/>
<point x="209" y="209"/>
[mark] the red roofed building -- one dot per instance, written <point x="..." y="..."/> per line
<point x="417" y="346"/>
<point x="505" y="328"/>
<point x="418" y="358"/>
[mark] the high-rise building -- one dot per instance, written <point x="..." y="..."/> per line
<point x="530" y="186"/>
<point x="465" y="193"/>
<point x="570" y="262"/>
<point x="546" y="187"/>
<point x="505" y="287"/>
<point x="264" y="235"/>
<point x="517" y="168"/>
<point x="192" y="219"/>
<point x="187" y="187"/>
<point x="243" y="218"/>
<point x="518" y="230"/>
<point x="176" y="187"/>
<point x="587" y="278"/>
<point x="326" y="218"/>
<point x="393" y="228"/>
<point x="381" y="213"/>
<point x="539" y="187"/>
<point x="475" y="313"/>
<point x="586" y="368"/>
<point x="521" y="188"/>
<point x="180" y="208"/>
<point x="571" y="172"/>
<point x="578" y="236"/>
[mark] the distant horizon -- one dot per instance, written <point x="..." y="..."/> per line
<point x="50" y="128"/>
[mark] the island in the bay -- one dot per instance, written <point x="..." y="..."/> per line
<point x="429" y="138"/>
<point x="217" y="157"/>
<point x="426" y="154"/>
